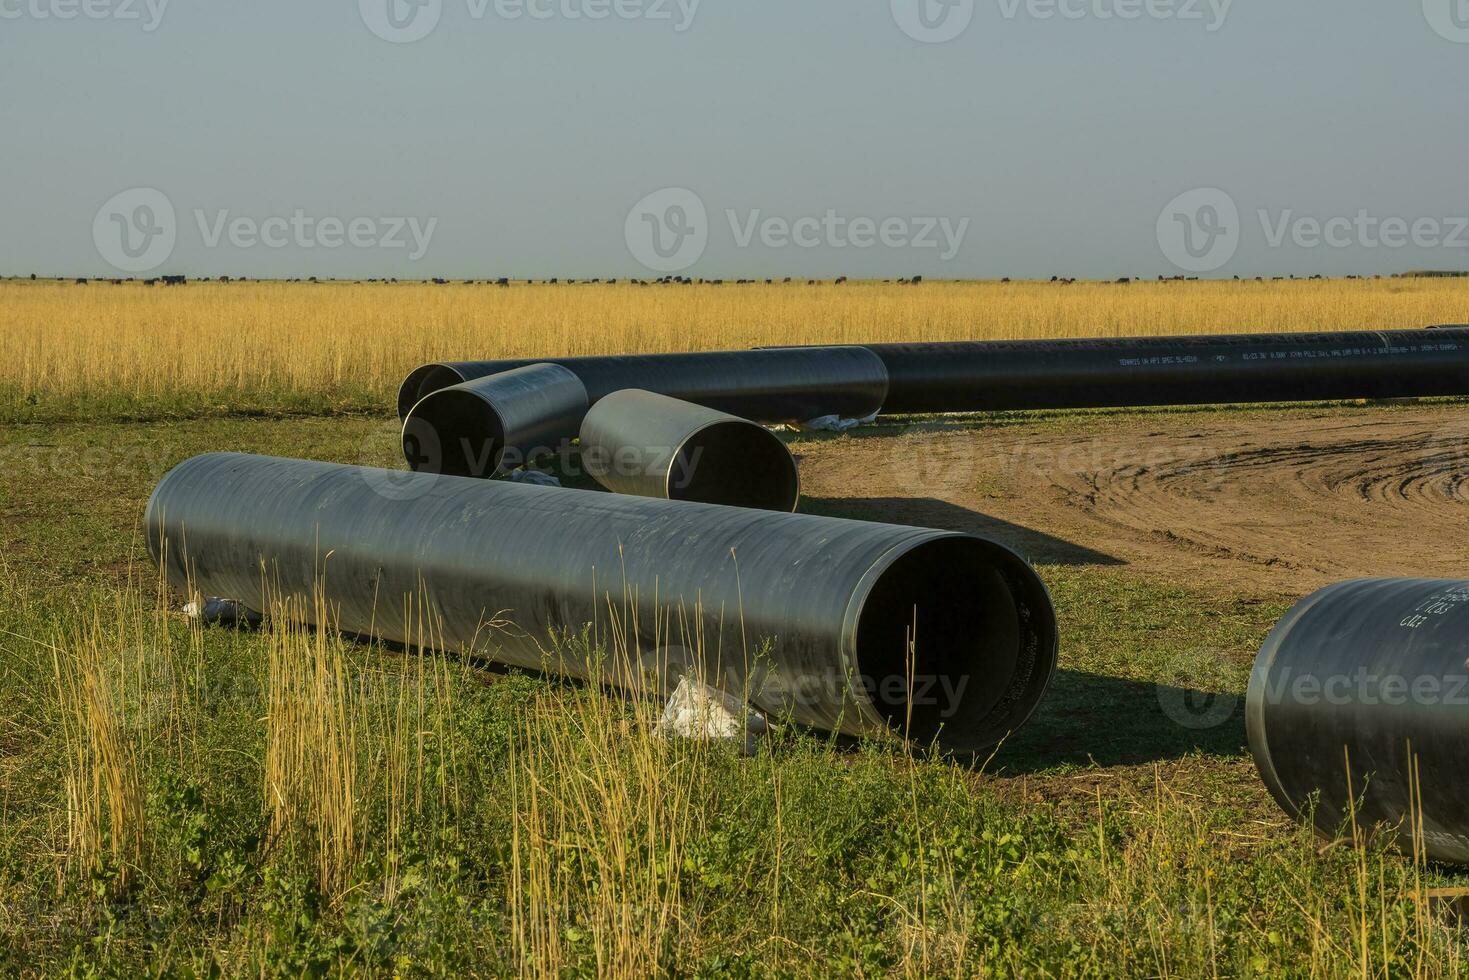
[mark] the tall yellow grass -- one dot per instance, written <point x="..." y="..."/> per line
<point x="105" y="802"/>
<point x="344" y="732"/>
<point x="121" y="699"/>
<point x="607" y="826"/>
<point x="603" y="810"/>
<point x="61" y="338"/>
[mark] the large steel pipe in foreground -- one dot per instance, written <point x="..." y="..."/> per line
<point x="1362" y="692"/>
<point x="843" y="625"/>
<point x="785" y="385"/>
<point x="647" y="445"/>
<point x="1034" y="374"/>
<point x="495" y="424"/>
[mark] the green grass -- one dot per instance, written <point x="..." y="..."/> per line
<point x="125" y="405"/>
<point x="504" y="823"/>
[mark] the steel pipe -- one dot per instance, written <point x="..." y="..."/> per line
<point x="842" y="625"/>
<point x="1037" y="374"/>
<point x="785" y="385"/>
<point x="1362" y="692"/>
<point x="491" y="425"/>
<point x="647" y="445"/>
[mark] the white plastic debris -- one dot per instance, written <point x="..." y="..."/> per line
<point x="833" y="423"/>
<point x="697" y="710"/>
<point x="226" y="612"/>
<point x="534" y="477"/>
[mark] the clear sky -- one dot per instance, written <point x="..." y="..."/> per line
<point x="733" y="138"/>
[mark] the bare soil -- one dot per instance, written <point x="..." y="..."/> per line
<point x="1257" y="502"/>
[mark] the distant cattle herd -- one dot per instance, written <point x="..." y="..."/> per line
<point x="662" y="281"/>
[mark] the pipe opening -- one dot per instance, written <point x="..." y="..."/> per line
<point x="440" y="377"/>
<point x="423" y="381"/>
<point x="956" y="643"/>
<point x="456" y="433"/>
<point x="408" y="390"/>
<point x="738" y="464"/>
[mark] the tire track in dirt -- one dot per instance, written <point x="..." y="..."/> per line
<point x="1272" y="501"/>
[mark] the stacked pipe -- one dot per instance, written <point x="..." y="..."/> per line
<point x="480" y="418"/>
<point x="695" y="412"/>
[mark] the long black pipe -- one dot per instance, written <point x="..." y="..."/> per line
<point x="1113" y="373"/>
<point x="785" y="385"/>
<point x="842" y="625"/>
<point x="1362" y="692"/>
<point x="495" y="424"/>
<point x="969" y="376"/>
<point x="648" y="445"/>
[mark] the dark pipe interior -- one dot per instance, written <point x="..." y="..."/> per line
<point x="738" y="464"/>
<point x="423" y="381"/>
<point x="454" y="432"/>
<point x="437" y="378"/>
<point x="955" y="643"/>
<point x="408" y="390"/>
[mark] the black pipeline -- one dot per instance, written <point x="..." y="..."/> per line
<point x="495" y="424"/>
<point x="843" y="625"/>
<point x="1362" y="693"/>
<point x="786" y="385"/>
<point x="1115" y="373"/>
<point x="647" y="445"/>
<point x="973" y="376"/>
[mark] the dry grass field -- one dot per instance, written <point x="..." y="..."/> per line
<point x="70" y="350"/>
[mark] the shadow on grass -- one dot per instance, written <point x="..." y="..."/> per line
<point x="1087" y="720"/>
<point x="1035" y="545"/>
